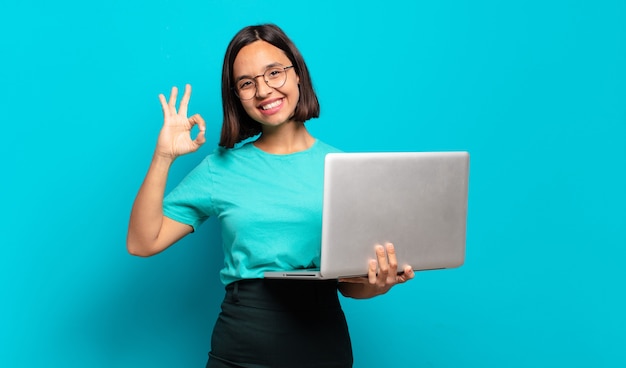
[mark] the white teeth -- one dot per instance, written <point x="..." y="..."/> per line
<point x="272" y="105"/>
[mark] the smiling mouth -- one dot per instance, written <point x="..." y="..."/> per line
<point x="272" y="105"/>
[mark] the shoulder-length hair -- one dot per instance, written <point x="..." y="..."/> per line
<point x="237" y="124"/>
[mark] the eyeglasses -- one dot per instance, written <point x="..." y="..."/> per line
<point x="274" y="77"/>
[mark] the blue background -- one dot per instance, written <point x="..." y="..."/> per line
<point x="535" y="90"/>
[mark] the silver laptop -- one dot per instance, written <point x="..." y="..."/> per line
<point x="416" y="200"/>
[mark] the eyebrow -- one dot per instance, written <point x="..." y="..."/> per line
<point x="268" y="66"/>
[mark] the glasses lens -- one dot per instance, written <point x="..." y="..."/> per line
<point x="246" y="88"/>
<point x="275" y="77"/>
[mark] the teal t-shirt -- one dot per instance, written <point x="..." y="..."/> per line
<point x="269" y="207"/>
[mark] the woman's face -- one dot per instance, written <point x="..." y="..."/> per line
<point x="269" y="106"/>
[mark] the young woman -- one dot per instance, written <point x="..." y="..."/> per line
<point x="267" y="195"/>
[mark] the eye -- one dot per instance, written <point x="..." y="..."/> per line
<point x="274" y="73"/>
<point x="245" y="84"/>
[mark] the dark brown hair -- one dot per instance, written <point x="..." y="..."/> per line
<point x="237" y="124"/>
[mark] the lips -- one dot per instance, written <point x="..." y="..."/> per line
<point x="271" y="106"/>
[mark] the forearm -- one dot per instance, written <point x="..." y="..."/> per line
<point x="146" y="217"/>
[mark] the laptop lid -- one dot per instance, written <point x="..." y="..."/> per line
<point x="416" y="200"/>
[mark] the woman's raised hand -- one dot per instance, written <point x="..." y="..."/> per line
<point x="175" y="137"/>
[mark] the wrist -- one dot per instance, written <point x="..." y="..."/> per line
<point x="162" y="161"/>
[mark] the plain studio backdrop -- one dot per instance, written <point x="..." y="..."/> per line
<point x="534" y="90"/>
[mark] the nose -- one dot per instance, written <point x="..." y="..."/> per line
<point x="262" y="89"/>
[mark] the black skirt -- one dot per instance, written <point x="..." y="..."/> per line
<point x="281" y="323"/>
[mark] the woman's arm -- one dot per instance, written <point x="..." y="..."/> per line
<point x="149" y="232"/>
<point x="382" y="275"/>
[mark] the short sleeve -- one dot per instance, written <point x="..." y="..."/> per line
<point x="190" y="202"/>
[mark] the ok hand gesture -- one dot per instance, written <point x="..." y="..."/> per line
<point x="175" y="137"/>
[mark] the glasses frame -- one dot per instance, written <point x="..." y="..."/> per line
<point x="284" y="68"/>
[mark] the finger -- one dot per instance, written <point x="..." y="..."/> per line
<point x="172" y="101"/>
<point x="163" y="104"/>
<point x="371" y="272"/>
<point x="407" y="275"/>
<point x="200" y="138"/>
<point x="383" y="264"/>
<point x="393" y="263"/>
<point x="198" y="120"/>
<point x="184" y="102"/>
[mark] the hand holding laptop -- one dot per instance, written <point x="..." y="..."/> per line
<point x="382" y="275"/>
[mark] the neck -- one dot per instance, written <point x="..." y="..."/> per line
<point x="284" y="139"/>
